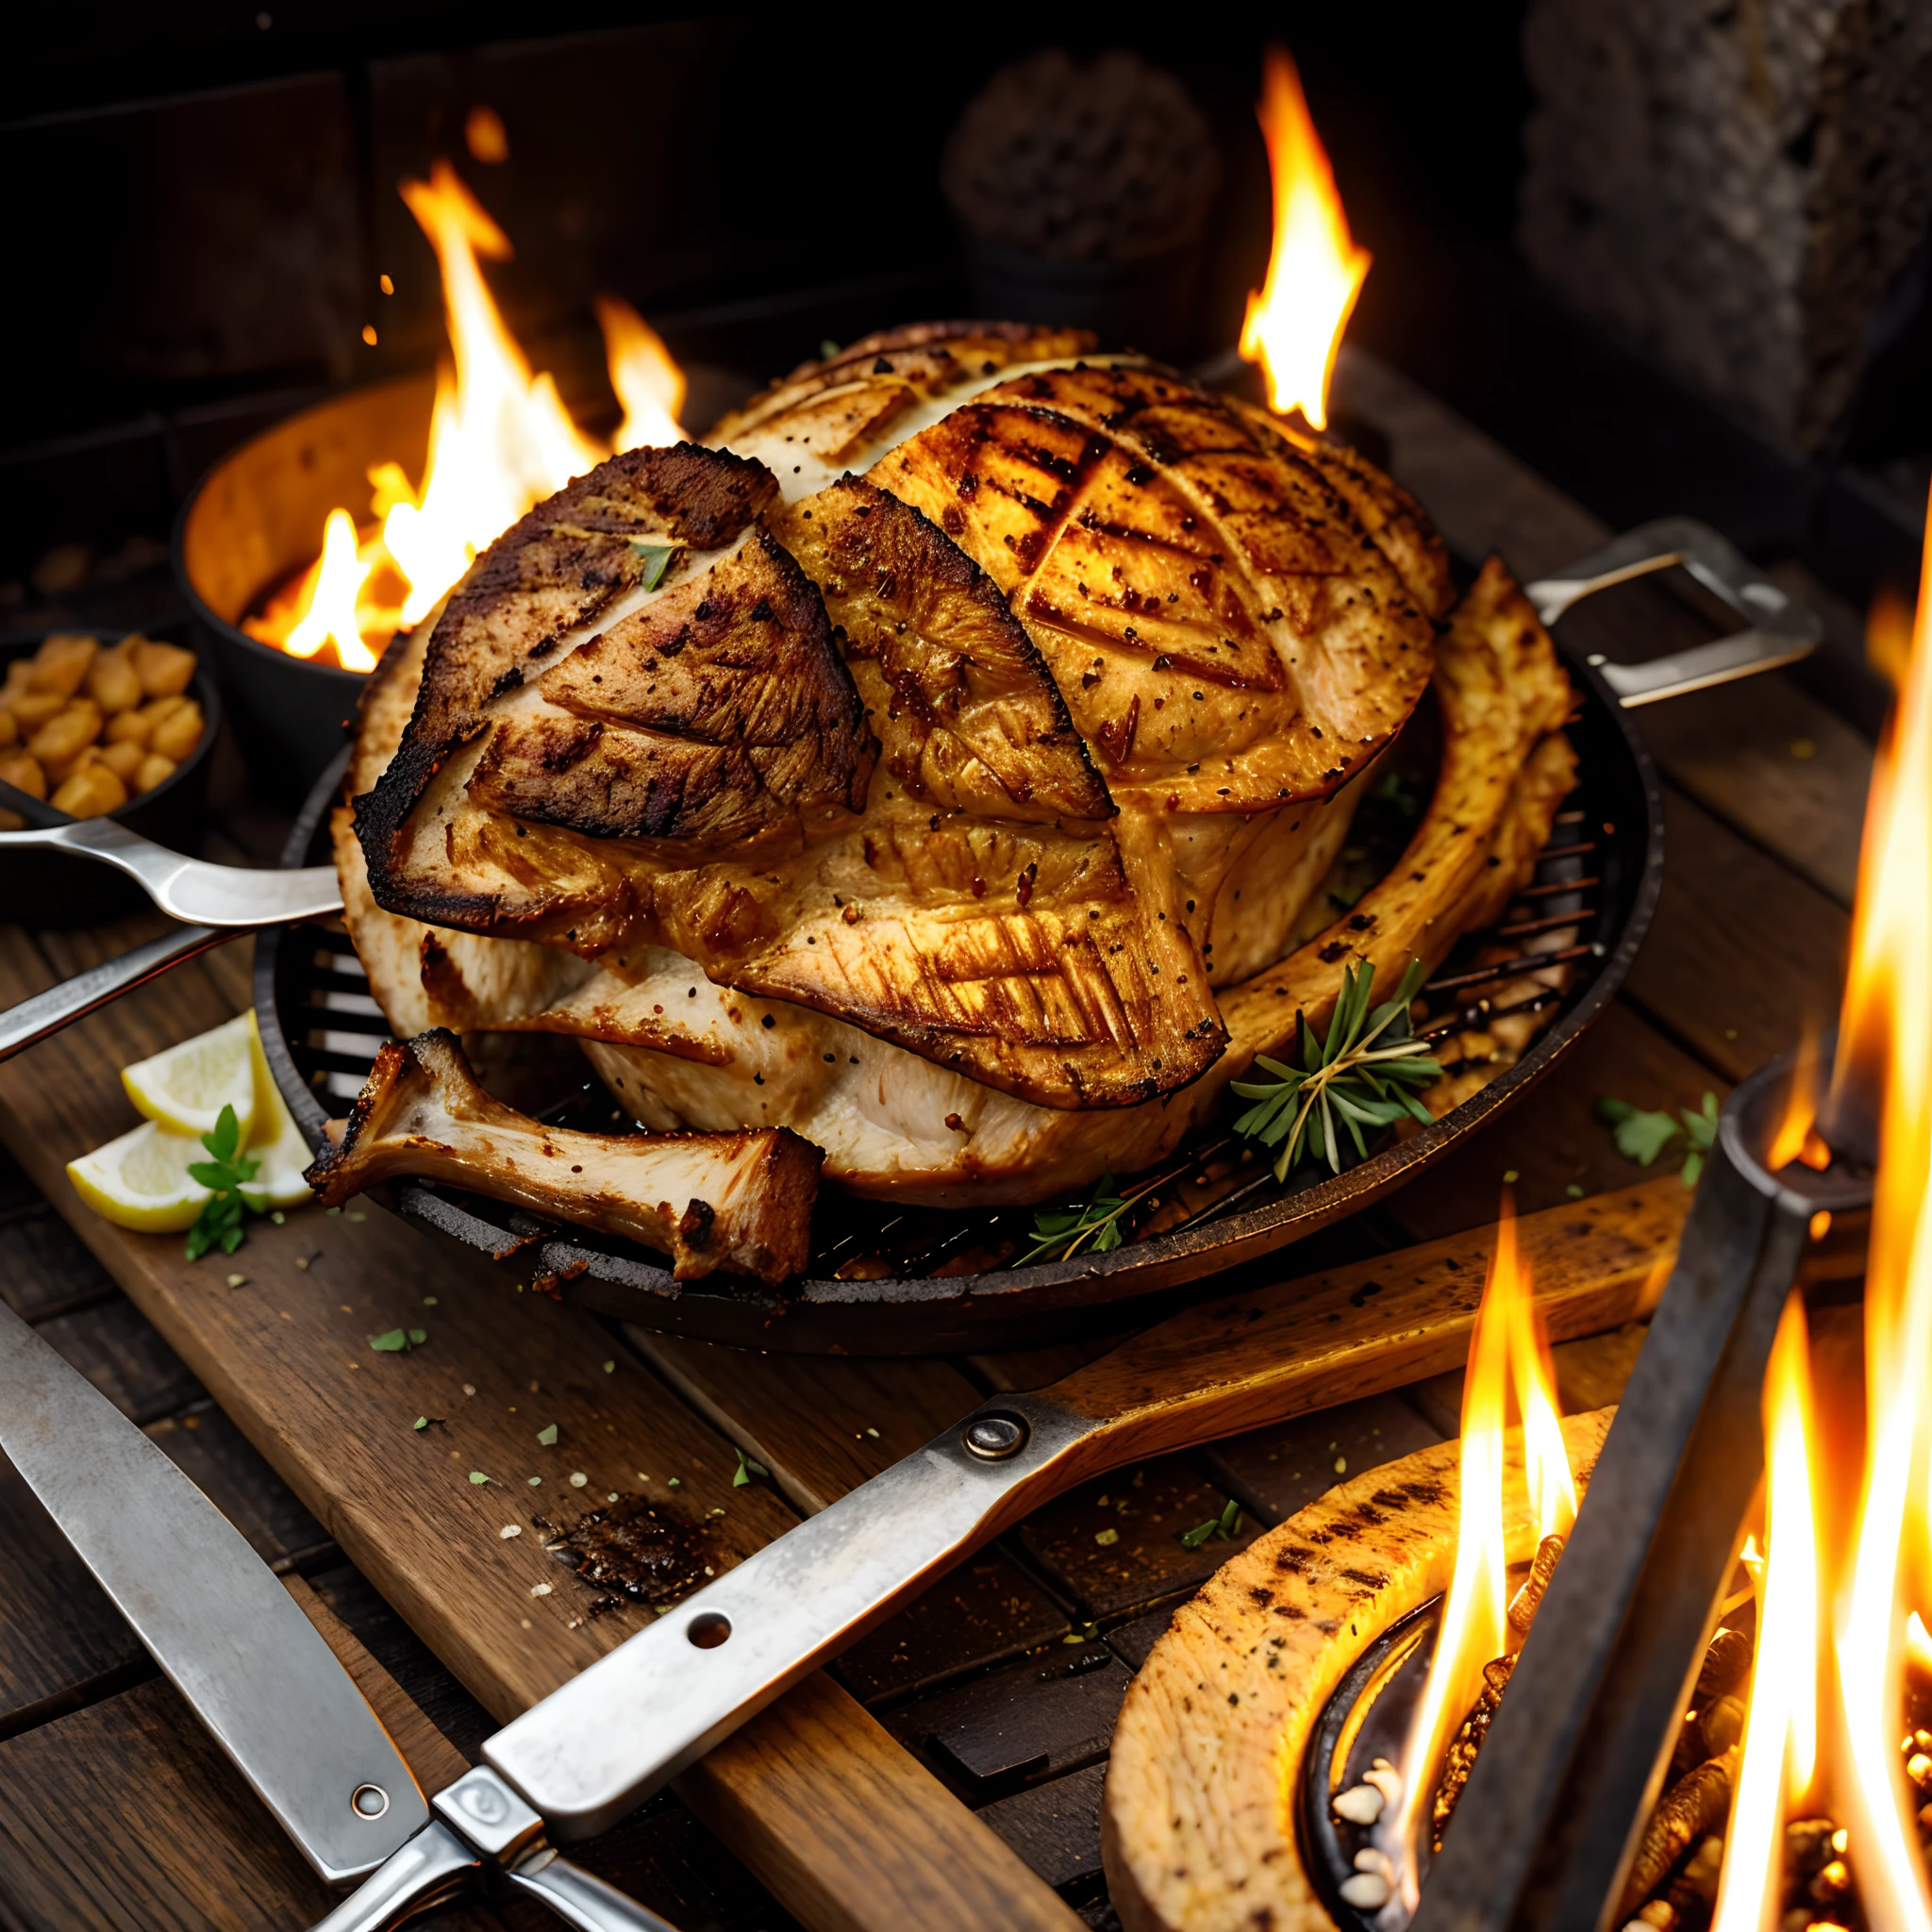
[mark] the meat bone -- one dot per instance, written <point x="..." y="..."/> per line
<point x="577" y="1761"/>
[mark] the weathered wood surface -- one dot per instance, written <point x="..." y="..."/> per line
<point x="280" y="1335"/>
<point x="1764" y="791"/>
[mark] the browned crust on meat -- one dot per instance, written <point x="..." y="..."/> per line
<point x="719" y="712"/>
<point x="922" y="357"/>
<point x="1397" y="523"/>
<point x="1225" y="631"/>
<point x="422" y="1114"/>
<point x="967" y="712"/>
<point x="547" y="574"/>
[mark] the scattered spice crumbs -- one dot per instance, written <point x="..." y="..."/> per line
<point x="1107" y="1537"/>
<point x="510" y="1530"/>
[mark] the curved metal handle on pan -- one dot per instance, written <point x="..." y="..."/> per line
<point x="1781" y="631"/>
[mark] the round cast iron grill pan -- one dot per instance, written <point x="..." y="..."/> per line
<point x="319" y="1029"/>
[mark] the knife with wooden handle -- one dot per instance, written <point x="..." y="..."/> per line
<point x="588" y="1754"/>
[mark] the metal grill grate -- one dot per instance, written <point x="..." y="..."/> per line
<point x="333" y="1028"/>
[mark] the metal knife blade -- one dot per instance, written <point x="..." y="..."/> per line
<point x="234" y="1642"/>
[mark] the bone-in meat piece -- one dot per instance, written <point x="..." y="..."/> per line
<point x="739" y="1202"/>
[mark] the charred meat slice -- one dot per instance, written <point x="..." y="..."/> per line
<point x="739" y="1202"/>
<point x="966" y="712"/>
<point x="713" y="714"/>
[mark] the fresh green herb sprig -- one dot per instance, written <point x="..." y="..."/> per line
<point x="1222" y="1528"/>
<point x="748" y="1470"/>
<point x="1644" y="1135"/>
<point x="398" y="1340"/>
<point x="1059" y="1233"/>
<point x="219" y="1224"/>
<point x="1359" y="1077"/>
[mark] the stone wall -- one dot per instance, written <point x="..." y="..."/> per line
<point x="1733" y="188"/>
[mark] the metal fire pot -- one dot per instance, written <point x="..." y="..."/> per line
<point x="1576" y="1756"/>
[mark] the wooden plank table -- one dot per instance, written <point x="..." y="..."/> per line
<point x="947" y="1772"/>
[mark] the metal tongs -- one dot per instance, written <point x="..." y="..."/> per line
<point x="215" y="902"/>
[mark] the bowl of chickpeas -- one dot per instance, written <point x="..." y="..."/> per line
<point x="95" y="724"/>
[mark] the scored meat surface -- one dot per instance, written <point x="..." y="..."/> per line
<point x="934" y="768"/>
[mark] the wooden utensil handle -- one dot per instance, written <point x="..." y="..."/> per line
<point x="1294" y="1346"/>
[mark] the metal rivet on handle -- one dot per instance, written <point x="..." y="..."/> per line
<point x="994" y="1437"/>
<point x="369" y="1800"/>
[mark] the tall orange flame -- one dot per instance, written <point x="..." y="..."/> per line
<point x="500" y="441"/>
<point x="1506" y="1347"/>
<point x="1294" y="325"/>
<point x="1887" y="1035"/>
<point x="1780" y="1752"/>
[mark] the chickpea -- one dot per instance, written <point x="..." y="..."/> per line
<point x="32" y="707"/>
<point x="179" y="732"/>
<point x="67" y="734"/>
<point x="123" y="759"/>
<point x="130" y="727"/>
<point x="112" y="681"/>
<point x="153" y="767"/>
<point x="22" y="769"/>
<point x="62" y="661"/>
<point x="91" y="789"/>
<point x="165" y="670"/>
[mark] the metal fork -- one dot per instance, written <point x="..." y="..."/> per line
<point x="216" y="902"/>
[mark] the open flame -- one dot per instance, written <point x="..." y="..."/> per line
<point x="1887" y="1033"/>
<point x="1780" y="1744"/>
<point x="1797" y="1137"/>
<point x="1294" y="325"/>
<point x="1507" y="1352"/>
<point x="1847" y="1759"/>
<point x="500" y="441"/>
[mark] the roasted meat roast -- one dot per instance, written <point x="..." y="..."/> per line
<point x="941" y="762"/>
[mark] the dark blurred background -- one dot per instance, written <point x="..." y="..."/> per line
<point x="1674" y="257"/>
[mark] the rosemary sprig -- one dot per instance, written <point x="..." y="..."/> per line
<point x="1059" y="1233"/>
<point x="1359" y="1077"/>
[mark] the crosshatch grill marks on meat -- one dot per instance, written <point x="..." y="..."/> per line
<point x="1226" y="631"/>
<point x="716" y="713"/>
<point x="572" y="557"/>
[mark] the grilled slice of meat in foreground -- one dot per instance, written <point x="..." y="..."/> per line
<point x="741" y="1202"/>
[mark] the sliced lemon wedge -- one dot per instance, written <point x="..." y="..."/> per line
<point x="185" y="1088"/>
<point x="277" y="1142"/>
<point x="142" y="1180"/>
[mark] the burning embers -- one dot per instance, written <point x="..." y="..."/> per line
<point x="500" y="441"/>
